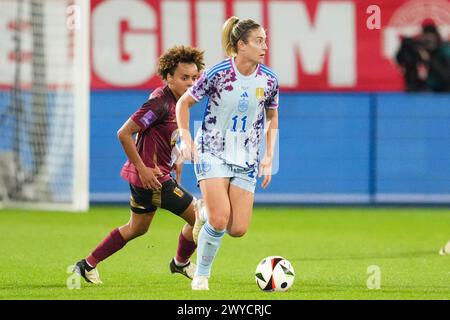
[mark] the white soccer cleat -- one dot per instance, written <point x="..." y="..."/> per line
<point x="93" y="276"/>
<point x="188" y="270"/>
<point x="200" y="283"/>
<point x="445" y="250"/>
<point x="199" y="219"/>
<point x="89" y="274"/>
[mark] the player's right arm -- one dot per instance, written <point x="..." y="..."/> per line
<point x="146" y="174"/>
<point x="187" y="147"/>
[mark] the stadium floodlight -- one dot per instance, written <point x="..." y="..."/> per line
<point x="44" y="104"/>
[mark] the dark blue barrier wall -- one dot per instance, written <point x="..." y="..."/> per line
<point x="335" y="148"/>
<point x="413" y="148"/>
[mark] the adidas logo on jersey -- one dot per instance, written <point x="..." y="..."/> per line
<point x="244" y="95"/>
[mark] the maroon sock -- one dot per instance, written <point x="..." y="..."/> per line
<point x="185" y="249"/>
<point x="111" y="244"/>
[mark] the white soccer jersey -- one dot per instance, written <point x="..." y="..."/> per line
<point x="233" y="123"/>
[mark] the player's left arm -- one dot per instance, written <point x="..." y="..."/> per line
<point x="265" y="167"/>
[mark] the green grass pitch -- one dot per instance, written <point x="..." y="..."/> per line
<point x="330" y="249"/>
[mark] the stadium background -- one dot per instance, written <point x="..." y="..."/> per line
<point x="347" y="133"/>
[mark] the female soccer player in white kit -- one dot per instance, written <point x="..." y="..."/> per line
<point x="242" y="94"/>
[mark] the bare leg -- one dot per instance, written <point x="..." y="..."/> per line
<point x="215" y="195"/>
<point x="189" y="216"/>
<point x="136" y="226"/>
<point x="241" y="211"/>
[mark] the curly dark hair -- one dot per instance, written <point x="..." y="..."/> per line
<point x="169" y="61"/>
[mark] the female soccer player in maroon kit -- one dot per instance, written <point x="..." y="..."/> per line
<point x="151" y="158"/>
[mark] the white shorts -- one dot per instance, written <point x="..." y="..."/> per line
<point x="209" y="166"/>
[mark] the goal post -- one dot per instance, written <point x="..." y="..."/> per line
<point x="44" y="104"/>
<point x="82" y="98"/>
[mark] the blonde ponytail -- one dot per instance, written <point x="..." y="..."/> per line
<point x="227" y="31"/>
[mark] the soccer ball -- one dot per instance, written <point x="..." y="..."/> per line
<point x="274" y="273"/>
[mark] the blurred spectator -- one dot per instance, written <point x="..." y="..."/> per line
<point x="425" y="60"/>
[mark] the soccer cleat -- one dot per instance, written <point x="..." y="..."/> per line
<point x="199" y="221"/>
<point x="187" y="270"/>
<point x="89" y="274"/>
<point x="200" y="283"/>
<point x="445" y="250"/>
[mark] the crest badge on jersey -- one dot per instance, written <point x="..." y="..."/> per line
<point x="259" y="93"/>
<point x="243" y="102"/>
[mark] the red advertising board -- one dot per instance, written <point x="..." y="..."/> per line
<point x="314" y="45"/>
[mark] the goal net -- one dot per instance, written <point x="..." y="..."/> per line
<point x="44" y="104"/>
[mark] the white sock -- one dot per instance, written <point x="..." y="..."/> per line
<point x="209" y="241"/>
<point x="178" y="263"/>
<point x="88" y="264"/>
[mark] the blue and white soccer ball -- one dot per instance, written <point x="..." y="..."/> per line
<point x="274" y="273"/>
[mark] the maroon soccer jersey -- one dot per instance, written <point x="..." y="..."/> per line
<point x="157" y="137"/>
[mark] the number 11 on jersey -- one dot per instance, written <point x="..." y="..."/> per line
<point x="235" y="122"/>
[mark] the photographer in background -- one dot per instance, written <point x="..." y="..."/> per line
<point x="425" y="60"/>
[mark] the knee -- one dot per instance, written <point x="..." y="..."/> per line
<point x="237" y="232"/>
<point x="218" y="221"/>
<point x="139" y="230"/>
